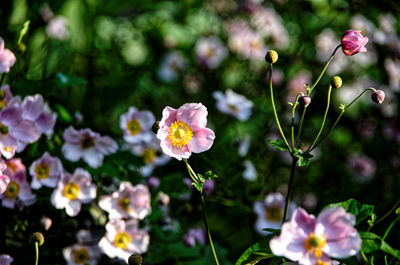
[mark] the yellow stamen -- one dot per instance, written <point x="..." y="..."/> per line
<point x="133" y="126"/>
<point x="149" y="155"/>
<point x="273" y="213"/>
<point x="180" y="133"/>
<point x="71" y="191"/>
<point x="315" y="244"/>
<point x="122" y="240"/>
<point x="124" y="203"/>
<point x="12" y="190"/>
<point x="81" y="255"/>
<point x="233" y="108"/>
<point x="42" y="171"/>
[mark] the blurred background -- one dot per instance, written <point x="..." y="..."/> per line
<point x="93" y="59"/>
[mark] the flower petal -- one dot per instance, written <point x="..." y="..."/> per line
<point x="202" y="140"/>
<point x="193" y="114"/>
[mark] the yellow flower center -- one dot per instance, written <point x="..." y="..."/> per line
<point x="320" y="262"/>
<point x="42" y="171"/>
<point x="149" y="155"/>
<point x="7" y="149"/>
<point x="122" y="240"/>
<point x="180" y="133"/>
<point x="124" y="203"/>
<point x="81" y="255"/>
<point x="12" y="190"/>
<point x="233" y="108"/>
<point x="71" y="191"/>
<point x="134" y="127"/>
<point x="315" y="244"/>
<point x="273" y="214"/>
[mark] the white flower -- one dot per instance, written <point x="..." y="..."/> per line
<point x="250" y="172"/>
<point x="171" y="66"/>
<point x="234" y="104"/>
<point x="137" y="125"/>
<point x="270" y="212"/>
<point x="84" y="252"/>
<point x="128" y="202"/>
<point x="46" y="171"/>
<point x="123" y="238"/>
<point x="210" y="51"/>
<point x="88" y="145"/>
<point x="73" y="190"/>
<point x="58" y="28"/>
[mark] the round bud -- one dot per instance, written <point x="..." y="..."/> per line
<point x="271" y="56"/>
<point x="304" y="101"/>
<point x="37" y="237"/>
<point x="378" y="96"/>
<point x="155" y="127"/>
<point x="336" y="82"/>
<point x="3" y="129"/>
<point x="135" y="259"/>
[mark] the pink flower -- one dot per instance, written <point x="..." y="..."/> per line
<point x="45" y="171"/>
<point x="353" y="42"/>
<point x="137" y="125"/>
<point x="58" y="28"/>
<point x="83" y="252"/>
<point x="73" y="190"/>
<point x="184" y="131"/>
<point x="193" y="235"/>
<point x="311" y="241"/>
<point x="5" y="259"/>
<point x="7" y="58"/>
<point x="124" y="238"/>
<point x="128" y="202"/>
<point x="88" y="145"/>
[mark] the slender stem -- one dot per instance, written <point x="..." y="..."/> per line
<point x="386" y="263"/>
<point x="192" y="174"/>
<point x="37" y="253"/>
<point x="390" y="227"/>
<point x="313" y="86"/>
<point x="2" y="78"/>
<point x="388" y="213"/>
<point x="364" y="257"/>
<point x="203" y="205"/>
<point x="324" y="69"/>
<point x="324" y="120"/>
<point x="289" y="192"/>
<point x="340" y="115"/>
<point x="274" y="109"/>
<point x="295" y="103"/>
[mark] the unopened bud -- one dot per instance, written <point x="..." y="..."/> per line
<point x="37" y="237"/>
<point x="336" y="81"/>
<point x="135" y="259"/>
<point x="2" y="94"/>
<point x="304" y="101"/>
<point x="378" y="96"/>
<point x="271" y="56"/>
<point x="155" y="127"/>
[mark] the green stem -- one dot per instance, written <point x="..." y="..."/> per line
<point x="289" y="192"/>
<point x="324" y="120"/>
<point x="364" y="257"/>
<point x="203" y="205"/>
<point x="324" y="69"/>
<point x="388" y="213"/>
<point x="340" y="115"/>
<point x="295" y="103"/>
<point x="390" y="227"/>
<point x="313" y="86"/>
<point x="274" y="109"/>
<point x="2" y="78"/>
<point x="37" y="253"/>
<point x="192" y="174"/>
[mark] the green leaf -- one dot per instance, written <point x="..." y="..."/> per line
<point x="257" y="252"/>
<point x="63" y="113"/>
<point x="210" y="175"/>
<point x="198" y="186"/>
<point x="304" y="159"/>
<point x="280" y="144"/>
<point x="360" y="211"/>
<point x="372" y="242"/>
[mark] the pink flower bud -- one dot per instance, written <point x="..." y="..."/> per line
<point x="304" y="101"/>
<point x="353" y="42"/>
<point x="378" y="96"/>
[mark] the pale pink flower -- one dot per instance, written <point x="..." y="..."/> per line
<point x="171" y="66"/>
<point x="57" y="28"/>
<point x="5" y="96"/>
<point x="183" y="131"/>
<point x="195" y="235"/>
<point x="128" y="202"/>
<point x="7" y="58"/>
<point x="88" y="145"/>
<point x="5" y="259"/>
<point x="46" y="171"/>
<point x="362" y="167"/>
<point x="123" y="238"/>
<point x="353" y="42"/>
<point x="74" y="190"/>
<point x="233" y="104"/>
<point x="137" y="125"/>
<point x="270" y="212"/>
<point x="46" y="222"/>
<point x="83" y="252"/>
<point x="18" y="190"/>
<point x="210" y="51"/>
<point x="312" y="241"/>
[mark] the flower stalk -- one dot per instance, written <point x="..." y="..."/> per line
<point x="289" y="192"/>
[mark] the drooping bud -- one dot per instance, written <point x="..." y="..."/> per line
<point x="271" y="56"/>
<point x="378" y="96"/>
<point x="304" y="101"/>
<point x="336" y="82"/>
<point x="37" y="237"/>
<point x="353" y="42"/>
<point x="135" y="259"/>
<point x="155" y="127"/>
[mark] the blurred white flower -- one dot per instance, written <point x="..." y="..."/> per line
<point x="234" y="104"/>
<point x="171" y="66"/>
<point x="57" y="28"/>
<point x="210" y="51"/>
<point x="250" y="172"/>
<point x="137" y="125"/>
